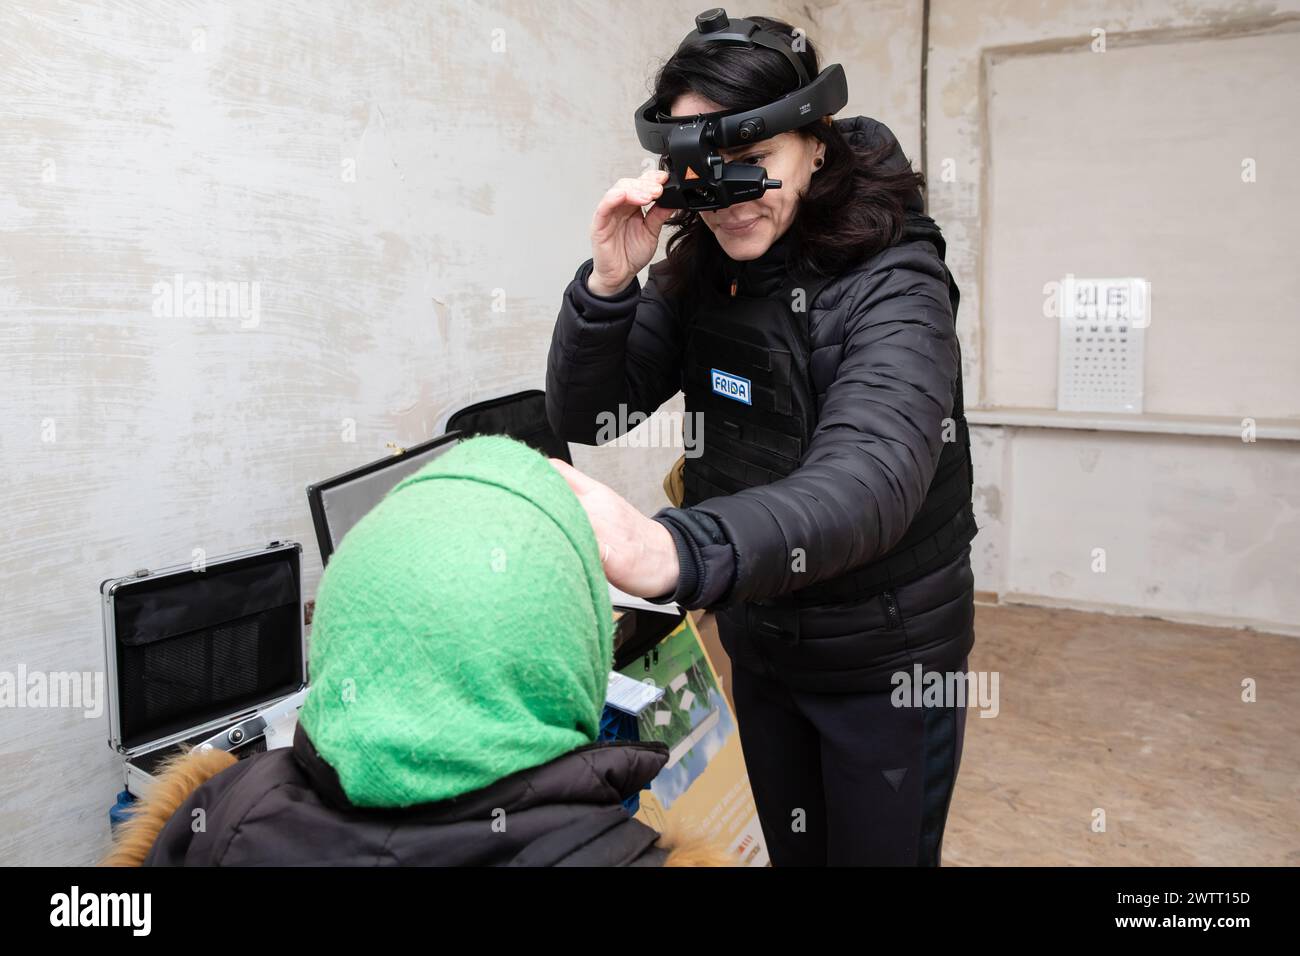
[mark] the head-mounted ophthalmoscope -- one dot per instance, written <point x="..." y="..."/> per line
<point x="697" y="176"/>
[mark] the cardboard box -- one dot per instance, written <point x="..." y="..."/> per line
<point x="704" y="788"/>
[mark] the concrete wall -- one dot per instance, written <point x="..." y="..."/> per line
<point x="1132" y="160"/>
<point x="1047" y="156"/>
<point x="879" y="46"/>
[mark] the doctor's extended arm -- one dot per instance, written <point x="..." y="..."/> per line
<point x="871" y="459"/>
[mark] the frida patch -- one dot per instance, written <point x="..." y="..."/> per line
<point x="730" y="386"/>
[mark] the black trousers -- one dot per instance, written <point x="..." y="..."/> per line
<point x="847" y="779"/>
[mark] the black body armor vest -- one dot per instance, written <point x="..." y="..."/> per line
<point x="747" y="369"/>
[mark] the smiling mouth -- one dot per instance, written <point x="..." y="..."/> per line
<point x="738" y="228"/>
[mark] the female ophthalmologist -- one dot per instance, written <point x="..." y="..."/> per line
<point x="828" y="517"/>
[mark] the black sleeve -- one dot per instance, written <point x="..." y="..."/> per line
<point x="611" y="358"/>
<point x="705" y="558"/>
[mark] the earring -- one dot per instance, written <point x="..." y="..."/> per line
<point x="817" y="163"/>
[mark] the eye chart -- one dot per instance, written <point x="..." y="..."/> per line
<point x="1103" y="324"/>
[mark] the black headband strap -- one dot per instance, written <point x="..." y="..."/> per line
<point x="749" y="33"/>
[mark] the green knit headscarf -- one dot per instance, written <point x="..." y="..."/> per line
<point x="462" y="631"/>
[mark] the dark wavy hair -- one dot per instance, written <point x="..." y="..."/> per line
<point x="854" y="206"/>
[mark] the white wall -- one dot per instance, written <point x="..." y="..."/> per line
<point x="1130" y="162"/>
<point x="1200" y="526"/>
<point x="1186" y="527"/>
<point x="879" y="46"/>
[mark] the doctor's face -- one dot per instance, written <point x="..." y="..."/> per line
<point x="746" y="230"/>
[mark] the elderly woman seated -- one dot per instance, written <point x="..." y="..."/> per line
<point x="459" y="657"/>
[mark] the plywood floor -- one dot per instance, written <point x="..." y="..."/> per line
<point x="1141" y="718"/>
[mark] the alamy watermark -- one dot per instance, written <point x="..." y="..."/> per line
<point x="667" y="430"/>
<point x="130" y="910"/>
<point x="177" y="298"/>
<point x="82" y="690"/>
<point x="946" y="689"/>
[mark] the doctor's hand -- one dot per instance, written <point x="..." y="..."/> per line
<point x="638" y="553"/>
<point x="623" y="239"/>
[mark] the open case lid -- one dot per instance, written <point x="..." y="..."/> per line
<point x="340" y="502"/>
<point x="189" y="650"/>
<point x="521" y="415"/>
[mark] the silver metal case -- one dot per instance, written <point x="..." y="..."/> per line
<point x="193" y="652"/>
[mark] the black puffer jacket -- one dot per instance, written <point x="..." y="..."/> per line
<point x="886" y="367"/>
<point x="286" y="808"/>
